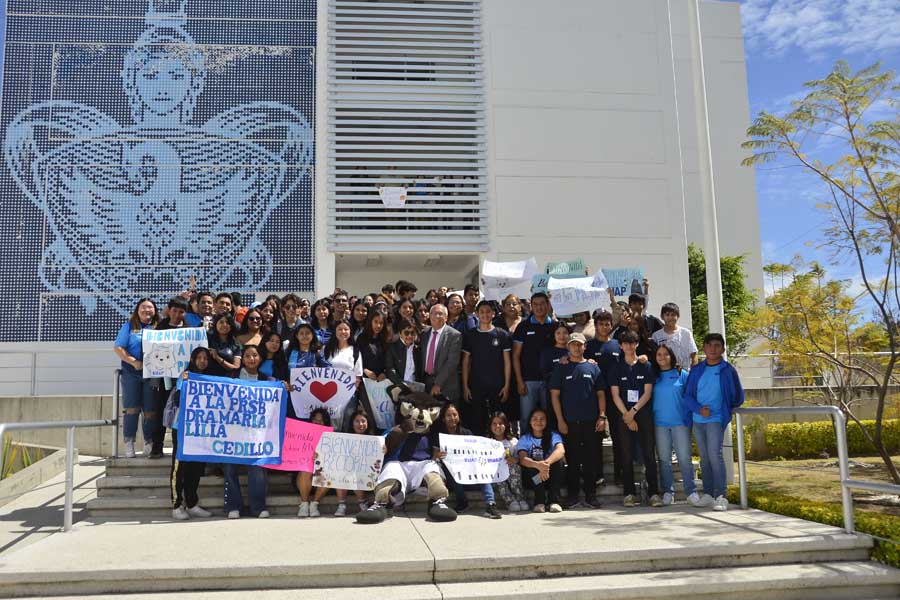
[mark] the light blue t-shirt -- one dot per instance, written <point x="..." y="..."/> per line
<point x="667" y="394"/>
<point x="528" y="443"/>
<point x="131" y="340"/>
<point x="709" y="393"/>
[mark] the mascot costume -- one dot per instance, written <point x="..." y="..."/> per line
<point x="408" y="459"/>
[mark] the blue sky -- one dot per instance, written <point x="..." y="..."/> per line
<point x="789" y="42"/>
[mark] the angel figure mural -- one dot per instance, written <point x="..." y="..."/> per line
<point x="142" y="206"/>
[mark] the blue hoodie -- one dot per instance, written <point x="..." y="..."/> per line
<point x="732" y="391"/>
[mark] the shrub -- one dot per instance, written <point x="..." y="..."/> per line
<point x="808" y="440"/>
<point x="886" y="526"/>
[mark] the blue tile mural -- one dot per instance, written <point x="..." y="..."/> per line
<point x="146" y="141"/>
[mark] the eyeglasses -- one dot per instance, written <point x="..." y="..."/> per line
<point x="254" y="319"/>
<point x="290" y="307"/>
<point x="408" y="332"/>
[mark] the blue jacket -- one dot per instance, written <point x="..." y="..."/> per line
<point x="732" y="391"/>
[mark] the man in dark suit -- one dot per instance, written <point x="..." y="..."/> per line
<point x="440" y="347"/>
<point x="403" y="362"/>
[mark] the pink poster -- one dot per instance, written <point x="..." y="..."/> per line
<point x="299" y="446"/>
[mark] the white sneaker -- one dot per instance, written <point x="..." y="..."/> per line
<point x="234" y="514"/>
<point x="515" y="506"/>
<point x="179" y="514"/>
<point x="694" y="499"/>
<point x="706" y="500"/>
<point x="304" y="510"/>
<point x="198" y="511"/>
<point x="314" y="509"/>
<point x="129" y="450"/>
<point x="263" y="514"/>
<point x="628" y="501"/>
<point x="668" y="498"/>
<point x="555" y="508"/>
<point x="720" y="504"/>
<point x="341" y="510"/>
<point x="148" y="448"/>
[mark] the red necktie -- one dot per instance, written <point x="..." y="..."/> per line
<point x="429" y="362"/>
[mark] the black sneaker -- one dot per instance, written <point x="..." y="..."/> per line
<point x="461" y="505"/>
<point x="491" y="512"/>
<point x="594" y="502"/>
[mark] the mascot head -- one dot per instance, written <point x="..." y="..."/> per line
<point x="417" y="411"/>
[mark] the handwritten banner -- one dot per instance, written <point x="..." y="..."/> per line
<point x="346" y="461"/>
<point x="167" y="352"/>
<point x="472" y="459"/>
<point x="569" y="268"/>
<point x="570" y="296"/>
<point x="499" y="279"/>
<point x="228" y="420"/>
<point x="321" y="387"/>
<point x="382" y="405"/>
<point x="299" y="446"/>
<point x="625" y="282"/>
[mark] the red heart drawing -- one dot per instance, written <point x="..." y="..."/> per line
<point x="323" y="391"/>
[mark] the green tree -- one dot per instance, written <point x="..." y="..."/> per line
<point x="830" y="135"/>
<point x="737" y="299"/>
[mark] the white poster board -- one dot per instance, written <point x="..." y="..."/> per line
<point x="473" y="459"/>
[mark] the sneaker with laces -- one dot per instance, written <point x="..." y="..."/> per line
<point x="491" y="512"/>
<point x="668" y="499"/>
<point x="594" y="502"/>
<point x="555" y="508"/>
<point x="694" y="499"/>
<point x="341" y="510"/>
<point x="303" y="511"/>
<point x="628" y="501"/>
<point x="129" y="449"/>
<point x="198" y="511"/>
<point x="263" y="514"/>
<point x="720" y="504"/>
<point x="538" y="508"/>
<point x="179" y="514"/>
<point x="706" y="500"/>
<point x="523" y="506"/>
<point x="656" y="501"/>
<point x="314" y="509"/>
<point x="148" y="449"/>
<point x="234" y="514"/>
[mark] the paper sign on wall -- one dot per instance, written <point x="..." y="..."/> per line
<point x="167" y="352"/>
<point x="346" y="461"/>
<point x="472" y="459"/>
<point x="299" y="445"/>
<point x="230" y="420"/>
<point x="393" y="197"/>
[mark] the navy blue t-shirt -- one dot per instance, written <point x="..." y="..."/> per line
<point x="631" y="379"/>
<point x="534" y="337"/>
<point x="607" y="354"/>
<point x="550" y="357"/>
<point x="486" y="350"/>
<point x="578" y="384"/>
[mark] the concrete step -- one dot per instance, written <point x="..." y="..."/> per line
<point x="856" y="580"/>
<point x="676" y="553"/>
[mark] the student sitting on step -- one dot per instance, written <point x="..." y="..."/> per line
<point x="309" y="508"/>
<point x="540" y="453"/>
<point x="359" y="424"/>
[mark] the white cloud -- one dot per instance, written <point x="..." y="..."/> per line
<point x="816" y="26"/>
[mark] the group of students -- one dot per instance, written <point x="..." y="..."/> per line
<point x="549" y="389"/>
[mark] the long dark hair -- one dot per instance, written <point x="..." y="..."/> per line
<point x="507" y="434"/>
<point x="279" y="360"/>
<point x="135" y="319"/>
<point x="214" y="332"/>
<point x="442" y="425"/>
<point x="547" y="436"/>
<point x="326" y="418"/>
<point x="192" y="365"/>
<point x="294" y="344"/>
<point x="329" y="322"/>
<point x="245" y="329"/>
<point x="673" y="360"/>
<point x="331" y="347"/>
<point x="356" y="413"/>
<point x="368" y="335"/>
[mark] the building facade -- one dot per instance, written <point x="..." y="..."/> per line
<point x="146" y="142"/>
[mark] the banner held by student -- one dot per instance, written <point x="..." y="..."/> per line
<point x="472" y="459"/>
<point x="321" y="387"/>
<point x="347" y="461"/>
<point x="228" y="420"/>
<point x="167" y="352"/>
<point x="299" y="446"/>
<point x="383" y="408"/>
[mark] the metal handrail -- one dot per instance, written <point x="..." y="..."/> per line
<point x="70" y="427"/>
<point x="840" y="431"/>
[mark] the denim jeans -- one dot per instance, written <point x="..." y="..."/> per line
<point x="678" y="437"/>
<point x="459" y="490"/>
<point x="256" y="489"/>
<point x="709" y="443"/>
<point x="533" y="398"/>
<point x="137" y="393"/>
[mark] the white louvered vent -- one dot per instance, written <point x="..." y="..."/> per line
<point x="406" y="107"/>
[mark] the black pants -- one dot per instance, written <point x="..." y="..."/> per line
<point x="546" y="491"/>
<point x="160" y="397"/>
<point x="646" y="441"/>
<point x="475" y="413"/>
<point x="184" y="478"/>
<point x="581" y="458"/>
<point x="615" y="419"/>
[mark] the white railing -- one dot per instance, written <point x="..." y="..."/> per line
<point x="840" y="431"/>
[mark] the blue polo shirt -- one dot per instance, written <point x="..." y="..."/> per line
<point x="578" y="384"/>
<point x="631" y="378"/>
<point x="668" y="391"/>
<point x="607" y="354"/>
<point x="709" y="393"/>
<point x="534" y="337"/>
<point x="132" y="341"/>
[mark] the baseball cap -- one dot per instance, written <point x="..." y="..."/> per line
<point x="576" y="337"/>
